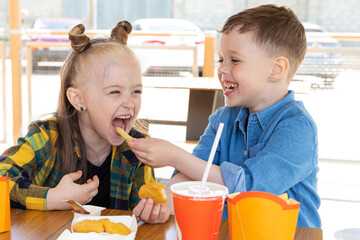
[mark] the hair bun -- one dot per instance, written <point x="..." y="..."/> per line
<point x="78" y="38"/>
<point x="121" y="31"/>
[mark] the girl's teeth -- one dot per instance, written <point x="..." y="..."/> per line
<point x="124" y="117"/>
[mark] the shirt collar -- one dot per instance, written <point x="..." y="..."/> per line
<point x="265" y="115"/>
<point x="241" y="119"/>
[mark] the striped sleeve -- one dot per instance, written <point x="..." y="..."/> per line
<point x="19" y="162"/>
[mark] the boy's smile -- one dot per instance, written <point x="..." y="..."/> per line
<point x="244" y="71"/>
<point x="229" y="87"/>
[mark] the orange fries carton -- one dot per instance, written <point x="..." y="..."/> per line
<point x="5" y="224"/>
<point x="262" y="215"/>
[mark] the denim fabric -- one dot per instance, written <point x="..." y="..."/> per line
<point x="274" y="150"/>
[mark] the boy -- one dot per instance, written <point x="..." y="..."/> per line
<point x="269" y="141"/>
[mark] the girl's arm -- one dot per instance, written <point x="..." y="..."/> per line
<point x="67" y="189"/>
<point x="31" y="163"/>
<point x="22" y="160"/>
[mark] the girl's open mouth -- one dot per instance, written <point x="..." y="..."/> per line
<point x="122" y="121"/>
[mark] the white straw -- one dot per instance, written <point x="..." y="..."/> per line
<point x="211" y="157"/>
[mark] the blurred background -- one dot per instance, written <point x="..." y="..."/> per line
<point x="175" y="41"/>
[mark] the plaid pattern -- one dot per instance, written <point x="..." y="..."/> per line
<point x="34" y="166"/>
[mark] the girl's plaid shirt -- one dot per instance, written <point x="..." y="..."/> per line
<point x="34" y="166"/>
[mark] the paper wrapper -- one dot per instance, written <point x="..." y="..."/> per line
<point x="129" y="221"/>
<point x="261" y="215"/>
<point x="93" y="210"/>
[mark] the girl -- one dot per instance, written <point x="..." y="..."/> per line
<point x="77" y="154"/>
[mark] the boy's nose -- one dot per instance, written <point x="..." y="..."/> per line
<point x="223" y="69"/>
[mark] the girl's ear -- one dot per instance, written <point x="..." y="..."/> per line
<point x="280" y="68"/>
<point x="74" y="96"/>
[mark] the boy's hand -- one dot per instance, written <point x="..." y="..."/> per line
<point x="149" y="212"/>
<point x="155" y="152"/>
<point x="68" y="190"/>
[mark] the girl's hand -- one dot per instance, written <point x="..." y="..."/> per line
<point x="68" y="190"/>
<point x="149" y="212"/>
<point x="156" y="152"/>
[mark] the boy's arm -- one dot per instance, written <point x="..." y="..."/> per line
<point x="160" y="153"/>
<point x="194" y="167"/>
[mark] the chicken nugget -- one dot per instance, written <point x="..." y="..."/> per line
<point x="116" y="228"/>
<point x="88" y="225"/>
<point x="156" y="191"/>
<point x="103" y="220"/>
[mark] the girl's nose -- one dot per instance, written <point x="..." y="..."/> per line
<point x="128" y="103"/>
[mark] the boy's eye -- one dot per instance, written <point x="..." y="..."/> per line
<point x="137" y="92"/>
<point x="220" y="61"/>
<point x="115" y="92"/>
<point x="235" y="60"/>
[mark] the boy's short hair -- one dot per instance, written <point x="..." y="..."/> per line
<point x="277" y="30"/>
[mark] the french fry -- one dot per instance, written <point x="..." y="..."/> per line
<point x="288" y="200"/>
<point x="284" y="196"/>
<point x="124" y="134"/>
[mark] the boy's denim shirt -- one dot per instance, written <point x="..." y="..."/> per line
<point x="276" y="152"/>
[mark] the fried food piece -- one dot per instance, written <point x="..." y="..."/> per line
<point x="88" y="225"/>
<point x="124" y="134"/>
<point x="288" y="200"/>
<point x="103" y="221"/>
<point x="102" y="225"/>
<point x="156" y="191"/>
<point x="116" y="228"/>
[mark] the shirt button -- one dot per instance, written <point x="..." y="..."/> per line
<point x="245" y="153"/>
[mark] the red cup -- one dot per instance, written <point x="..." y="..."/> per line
<point x="198" y="216"/>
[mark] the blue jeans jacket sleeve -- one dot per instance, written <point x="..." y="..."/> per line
<point x="234" y="177"/>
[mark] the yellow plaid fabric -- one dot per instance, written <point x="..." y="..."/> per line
<point x="34" y="166"/>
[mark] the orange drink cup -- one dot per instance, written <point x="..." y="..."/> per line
<point x="197" y="215"/>
<point x="261" y="215"/>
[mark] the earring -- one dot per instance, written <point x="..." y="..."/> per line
<point x="81" y="109"/>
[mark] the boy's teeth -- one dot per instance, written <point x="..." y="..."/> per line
<point x="230" y="87"/>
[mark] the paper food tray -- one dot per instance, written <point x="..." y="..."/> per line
<point x="129" y="221"/>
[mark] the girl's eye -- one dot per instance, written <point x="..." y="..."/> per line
<point x="220" y="61"/>
<point x="138" y="91"/>
<point x="115" y="92"/>
<point x="235" y="60"/>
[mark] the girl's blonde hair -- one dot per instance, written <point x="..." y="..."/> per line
<point x="75" y="64"/>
